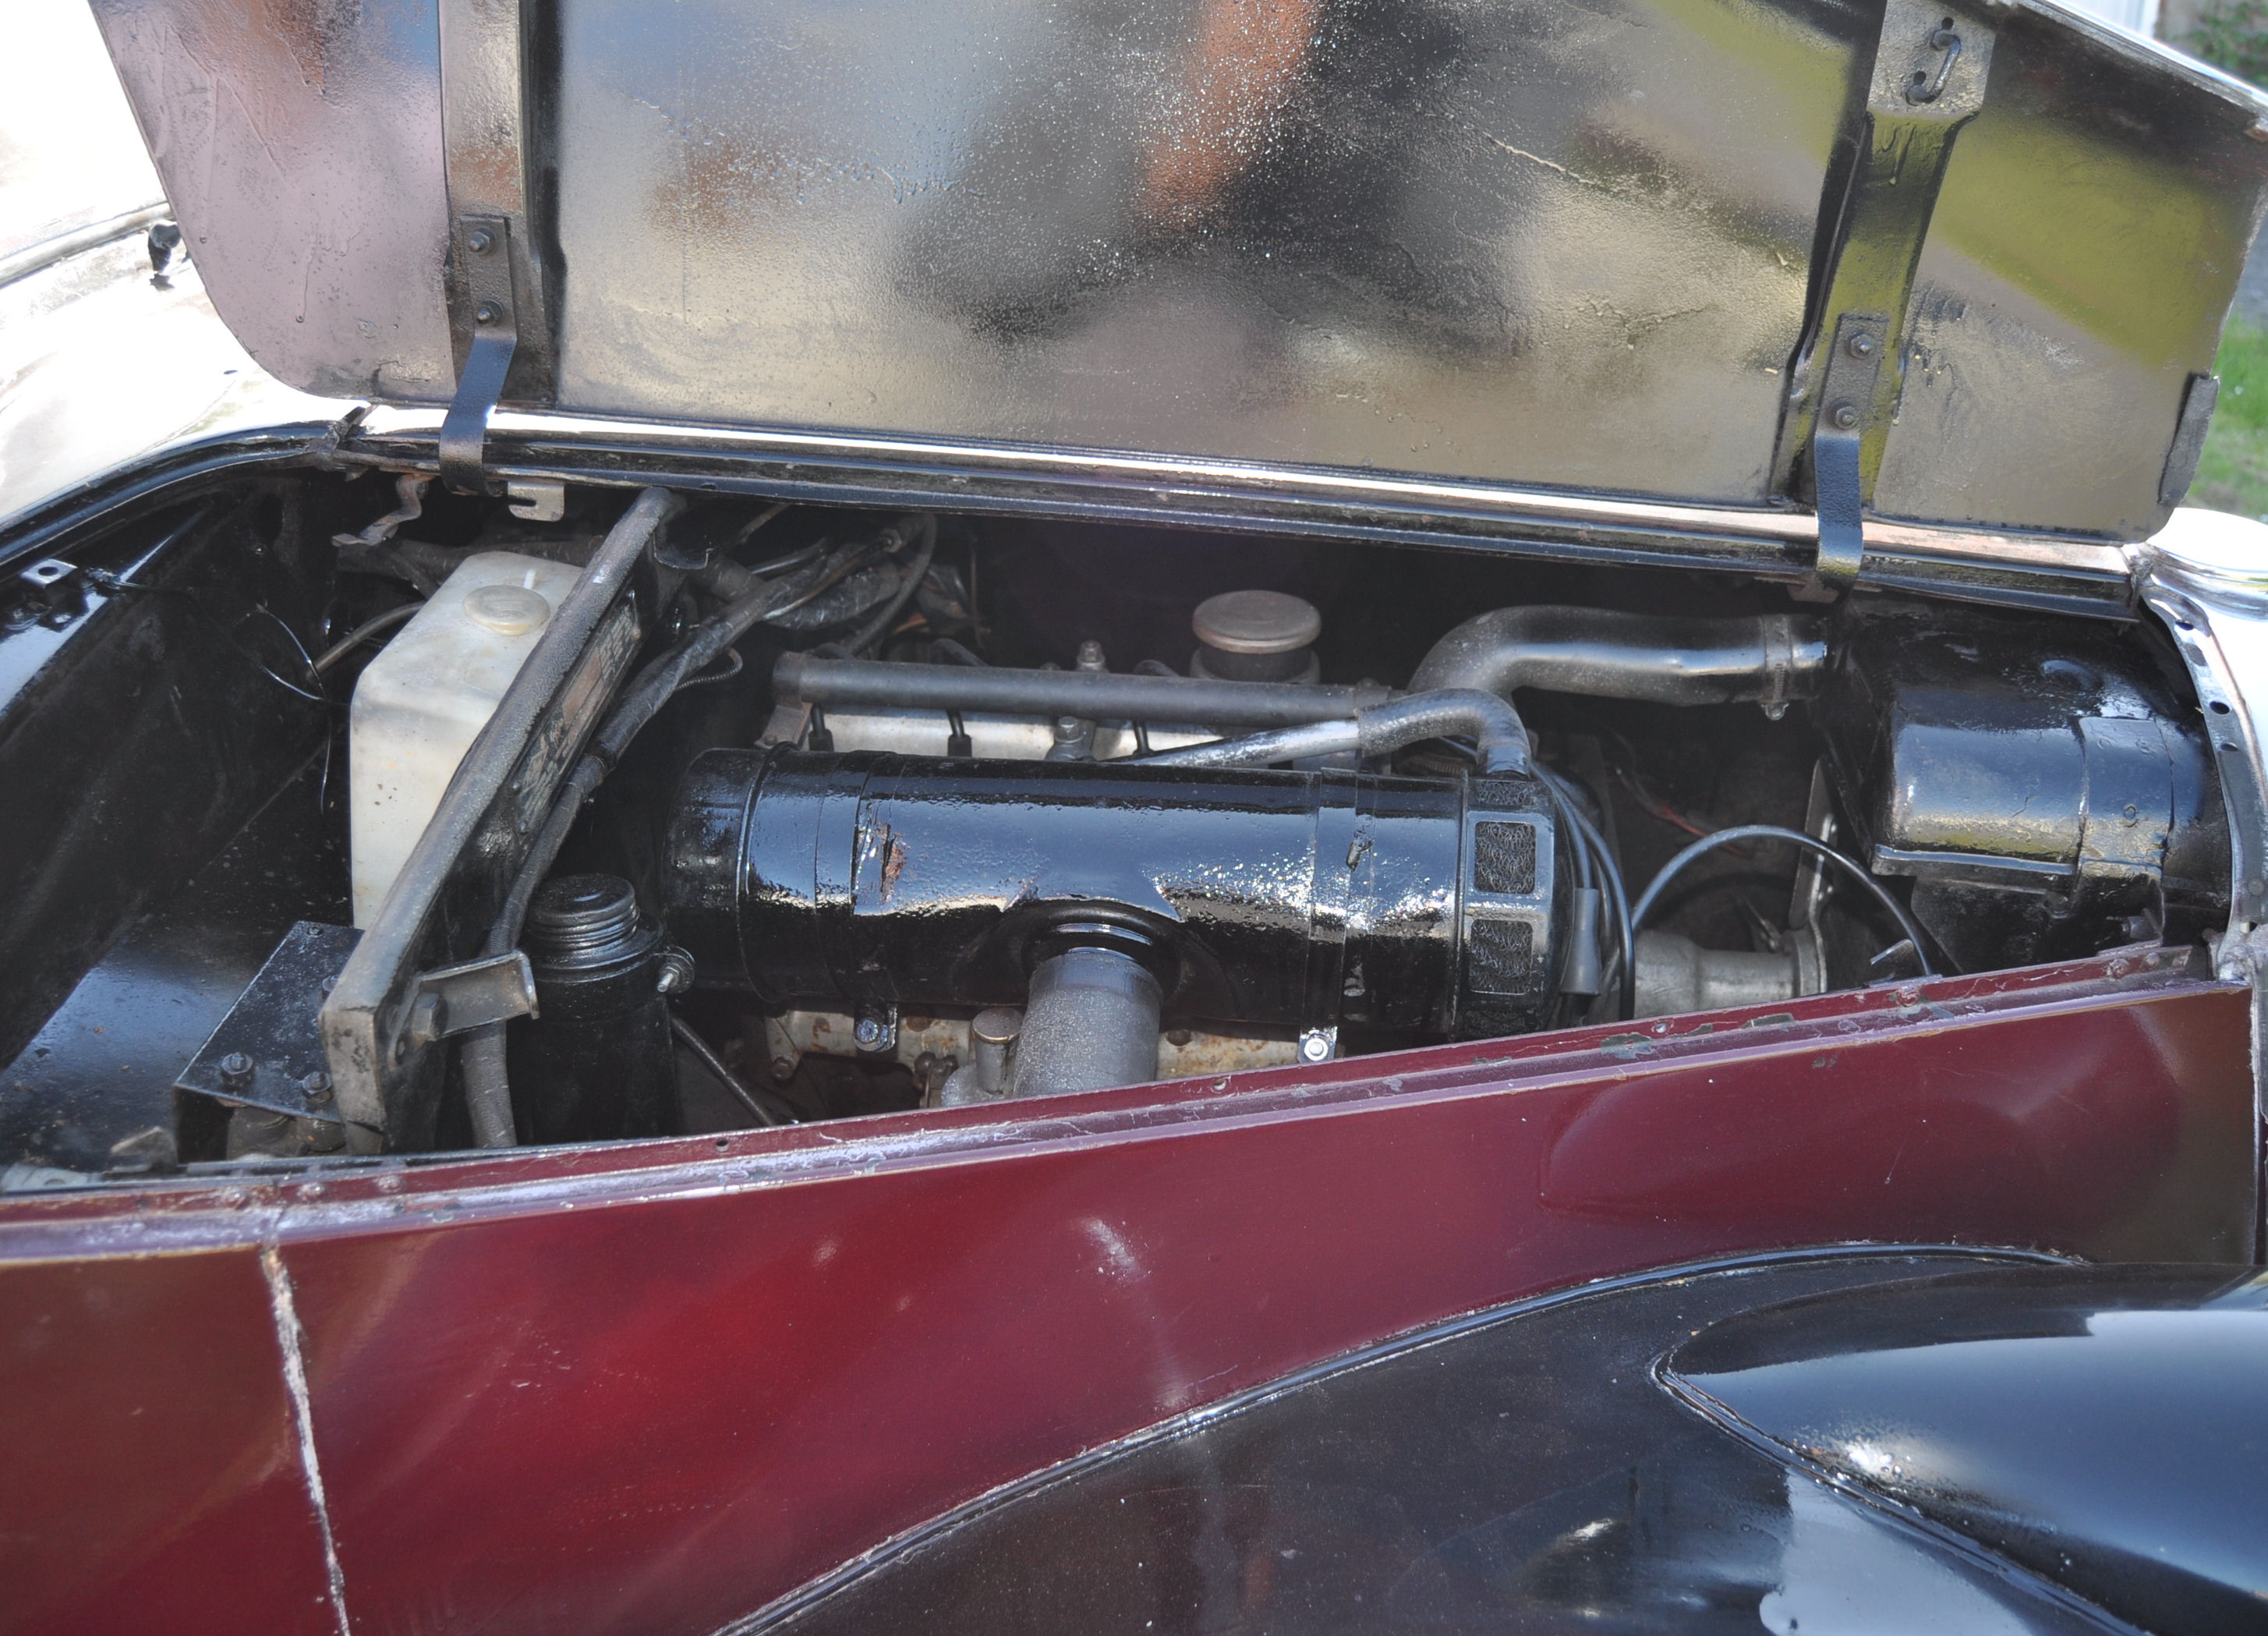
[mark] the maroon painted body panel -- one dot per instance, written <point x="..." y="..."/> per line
<point x="650" y="1388"/>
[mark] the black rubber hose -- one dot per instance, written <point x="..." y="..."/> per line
<point x="879" y="626"/>
<point x="1793" y="838"/>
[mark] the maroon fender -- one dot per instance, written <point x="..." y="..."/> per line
<point x="649" y="1387"/>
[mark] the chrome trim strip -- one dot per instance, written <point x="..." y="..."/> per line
<point x="1188" y="474"/>
<point x="62" y="247"/>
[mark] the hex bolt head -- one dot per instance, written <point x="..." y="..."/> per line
<point x="1861" y="345"/>
<point x="480" y="241"/>
<point x="317" y="1086"/>
<point x="1843" y="417"/>
<point x="487" y="312"/>
<point x="868" y="1032"/>
<point x="236" y="1069"/>
<point x="1090" y="655"/>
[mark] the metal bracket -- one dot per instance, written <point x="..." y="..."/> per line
<point x="1846" y="398"/>
<point x="484" y="253"/>
<point x="455" y="999"/>
<point x="536" y="501"/>
<point x="1931" y="66"/>
<point x="51" y="592"/>
<point x="268" y="1052"/>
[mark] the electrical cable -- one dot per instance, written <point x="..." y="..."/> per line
<point x="1610" y="872"/>
<point x="1793" y="838"/>
<point x="363" y="633"/>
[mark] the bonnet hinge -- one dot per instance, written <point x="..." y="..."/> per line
<point x="1929" y="68"/>
<point x="495" y="278"/>
<point x="484" y="255"/>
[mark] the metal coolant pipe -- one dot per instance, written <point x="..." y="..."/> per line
<point x="1769" y="657"/>
<point x="1091" y="1023"/>
<point x="1090" y="695"/>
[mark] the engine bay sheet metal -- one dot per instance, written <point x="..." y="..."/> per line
<point x="651" y="1387"/>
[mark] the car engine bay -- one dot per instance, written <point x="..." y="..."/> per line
<point x="840" y="812"/>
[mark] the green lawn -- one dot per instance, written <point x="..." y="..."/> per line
<point x="2233" y="477"/>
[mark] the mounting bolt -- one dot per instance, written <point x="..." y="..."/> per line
<point x="676" y="974"/>
<point x="1315" y="1046"/>
<point x="1861" y="345"/>
<point x="487" y="312"/>
<point x="318" y="1087"/>
<point x="480" y="241"/>
<point x="1090" y="656"/>
<point x="868" y="1033"/>
<point x="1843" y="417"/>
<point x="236" y="1071"/>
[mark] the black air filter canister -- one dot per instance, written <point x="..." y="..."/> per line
<point x="1305" y="899"/>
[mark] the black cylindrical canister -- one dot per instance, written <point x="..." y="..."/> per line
<point x="1309" y="899"/>
<point x="597" y="1062"/>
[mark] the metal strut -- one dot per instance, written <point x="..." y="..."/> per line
<point x="484" y="252"/>
<point x="496" y="281"/>
<point x="1931" y="64"/>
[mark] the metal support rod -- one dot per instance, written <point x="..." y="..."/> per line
<point x="1093" y="696"/>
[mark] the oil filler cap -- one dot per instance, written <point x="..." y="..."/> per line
<point x="1256" y="636"/>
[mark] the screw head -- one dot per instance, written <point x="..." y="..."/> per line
<point x="1843" y="417"/>
<point x="1861" y="345"/>
<point x="869" y="1031"/>
<point x="487" y="312"/>
<point x="480" y="241"/>
<point x="1316" y="1047"/>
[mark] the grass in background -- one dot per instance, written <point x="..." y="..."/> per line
<point x="2233" y="477"/>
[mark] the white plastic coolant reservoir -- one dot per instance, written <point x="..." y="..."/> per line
<point x="422" y="702"/>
